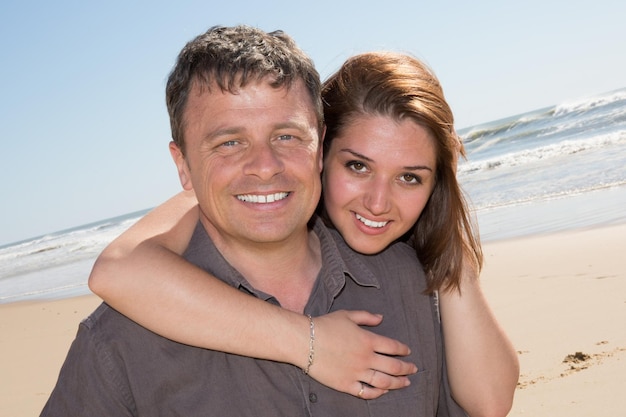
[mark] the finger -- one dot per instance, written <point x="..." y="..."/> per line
<point x="381" y="344"/>
<point x="387" y="346"/>
<point x="366" y="392"/>
<point x="393" y="366"/>
<point x="364" y="318"/>
<point x="372" y="376"/>
<point x="386" y="382"/>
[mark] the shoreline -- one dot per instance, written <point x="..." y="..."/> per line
<point x="68" y="278"/>
<point x="557" y="295"/>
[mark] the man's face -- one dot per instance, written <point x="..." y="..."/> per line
<point x="254" y="161"/>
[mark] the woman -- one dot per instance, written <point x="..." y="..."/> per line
<point x="389" y="155"/>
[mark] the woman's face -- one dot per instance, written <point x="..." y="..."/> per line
<point x="378" y="175"/>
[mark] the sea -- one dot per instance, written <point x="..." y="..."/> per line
<point x="554" y="169"/>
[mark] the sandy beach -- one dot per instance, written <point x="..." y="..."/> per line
<point x="561" y="298"/>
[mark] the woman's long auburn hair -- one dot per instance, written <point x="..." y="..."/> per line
<point x="400" y="86"/>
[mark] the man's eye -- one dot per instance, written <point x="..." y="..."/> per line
<point x="229" y="143"/>
<point x="286" y="137"/>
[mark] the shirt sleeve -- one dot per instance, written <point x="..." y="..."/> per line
<point x="91" y="382"/>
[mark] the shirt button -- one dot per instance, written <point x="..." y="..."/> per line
<point x="313" y="398"/>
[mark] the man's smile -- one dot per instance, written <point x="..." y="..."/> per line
<point x="262" y="198"/>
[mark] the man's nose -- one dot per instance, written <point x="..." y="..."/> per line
<point x="264" y="161"/>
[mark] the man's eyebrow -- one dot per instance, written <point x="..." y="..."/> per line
<point x="368" y="159"/>
<point x="223" y="132"/>
<point x="235" y="130"/>
<point x="219" y="132"/>
<point x="291" y="124"/>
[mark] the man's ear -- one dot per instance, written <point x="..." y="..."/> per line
<point x="181" y="166"/>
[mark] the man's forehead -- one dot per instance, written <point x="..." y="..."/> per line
<point x="233" y="84"/>
<point x="212" y="108"/>
<point x="253" y="93"/>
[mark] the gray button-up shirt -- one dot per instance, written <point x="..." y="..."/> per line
<point x="117" y="368"/>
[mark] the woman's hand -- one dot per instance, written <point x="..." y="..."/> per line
<point x="356" y="361"/>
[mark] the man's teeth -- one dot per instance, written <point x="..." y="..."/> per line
<point x="370" y="223"/>
<point x="261" y="199"/>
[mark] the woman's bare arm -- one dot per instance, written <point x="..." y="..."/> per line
<point x="142" y="275"/>
<point x="483" y="366"/>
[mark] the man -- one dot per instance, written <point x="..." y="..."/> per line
<point x="247" y="122"/>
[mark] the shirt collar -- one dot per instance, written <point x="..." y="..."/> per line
<point x="338" y="262"/>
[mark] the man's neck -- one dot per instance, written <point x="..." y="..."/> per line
<point x="286" y="270"/>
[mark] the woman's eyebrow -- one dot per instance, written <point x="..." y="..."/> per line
<point x="418" y="168"/>
<point x="356" y="154"/>
<point x="408" y="168"/>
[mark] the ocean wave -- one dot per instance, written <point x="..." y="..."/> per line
<point x="588" y="103"/>
<point x="59" y="249"/>
<point x="526" y="156"/>
<point x="502" y="128"/>
<point x="46" y="260"/>
<point x="571" y="119"/>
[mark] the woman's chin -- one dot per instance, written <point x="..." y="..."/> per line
<point x="367" y="246"/>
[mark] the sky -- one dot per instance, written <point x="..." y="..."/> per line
<point x="83" y="124"/>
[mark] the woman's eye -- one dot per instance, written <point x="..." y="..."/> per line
<point x="410" y="179"/>
<point x="356" y="166"/>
